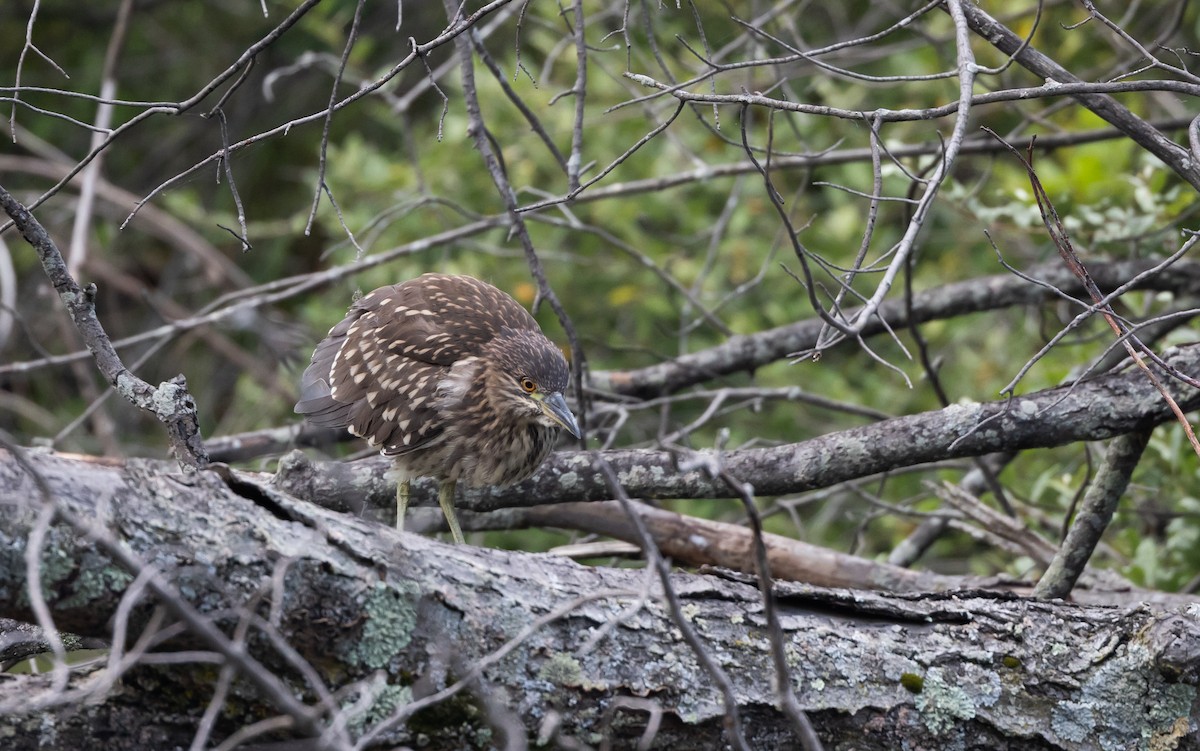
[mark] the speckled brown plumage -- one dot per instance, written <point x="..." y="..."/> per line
<point x="448" y="375"/>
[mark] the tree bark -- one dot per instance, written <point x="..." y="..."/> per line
<point x="329" y="603"/>
<point x="1089" y="410"/>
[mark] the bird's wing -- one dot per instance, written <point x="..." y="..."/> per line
<point x="442" y="319"/>
<point x="316" y="401"/>
<point x="377" y="371"/>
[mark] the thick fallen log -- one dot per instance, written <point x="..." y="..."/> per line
<point x="368" y="630"/>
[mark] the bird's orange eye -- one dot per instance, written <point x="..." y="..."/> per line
<point x="528" y="385"/>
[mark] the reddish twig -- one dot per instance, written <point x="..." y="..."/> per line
<point x="1062" y="240"/>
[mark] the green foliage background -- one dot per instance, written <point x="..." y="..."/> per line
<point x="400" y="175"/>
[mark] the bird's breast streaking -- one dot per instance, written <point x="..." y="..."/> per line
<point x="447" y="374"/>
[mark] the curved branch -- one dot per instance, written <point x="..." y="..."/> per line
<point x="1105" y="407"/>
<point x="748" y="352"/>
<point x="1138" y="130"/>
<point x="170" y="401"/>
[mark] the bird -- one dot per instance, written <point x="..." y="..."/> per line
<point x="450" y="377"/>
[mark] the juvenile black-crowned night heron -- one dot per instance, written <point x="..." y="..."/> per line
<point x="450" y="377"/>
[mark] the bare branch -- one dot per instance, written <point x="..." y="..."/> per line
<point x="1093" y="517"/>
<point x="170" y="401"/>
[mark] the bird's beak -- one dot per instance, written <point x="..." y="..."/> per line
<point x="556" y="409"/>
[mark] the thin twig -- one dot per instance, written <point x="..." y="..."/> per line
<point x="492" y="160"/>
<point x="783" y="676"/>
<point x="733" y="719"/>
<point x="170" y="401"/>
<point x="1138" y="351"/>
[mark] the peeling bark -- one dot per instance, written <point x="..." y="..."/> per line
<point x="407" y="616"/>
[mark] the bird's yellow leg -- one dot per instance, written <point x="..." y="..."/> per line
<point x="402" y="491"/>
<point x="446" y="499"/>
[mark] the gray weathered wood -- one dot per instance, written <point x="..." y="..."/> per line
<point x="362" y="602"/>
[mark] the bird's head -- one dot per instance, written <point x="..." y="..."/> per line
<point x="527" y="378"/>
